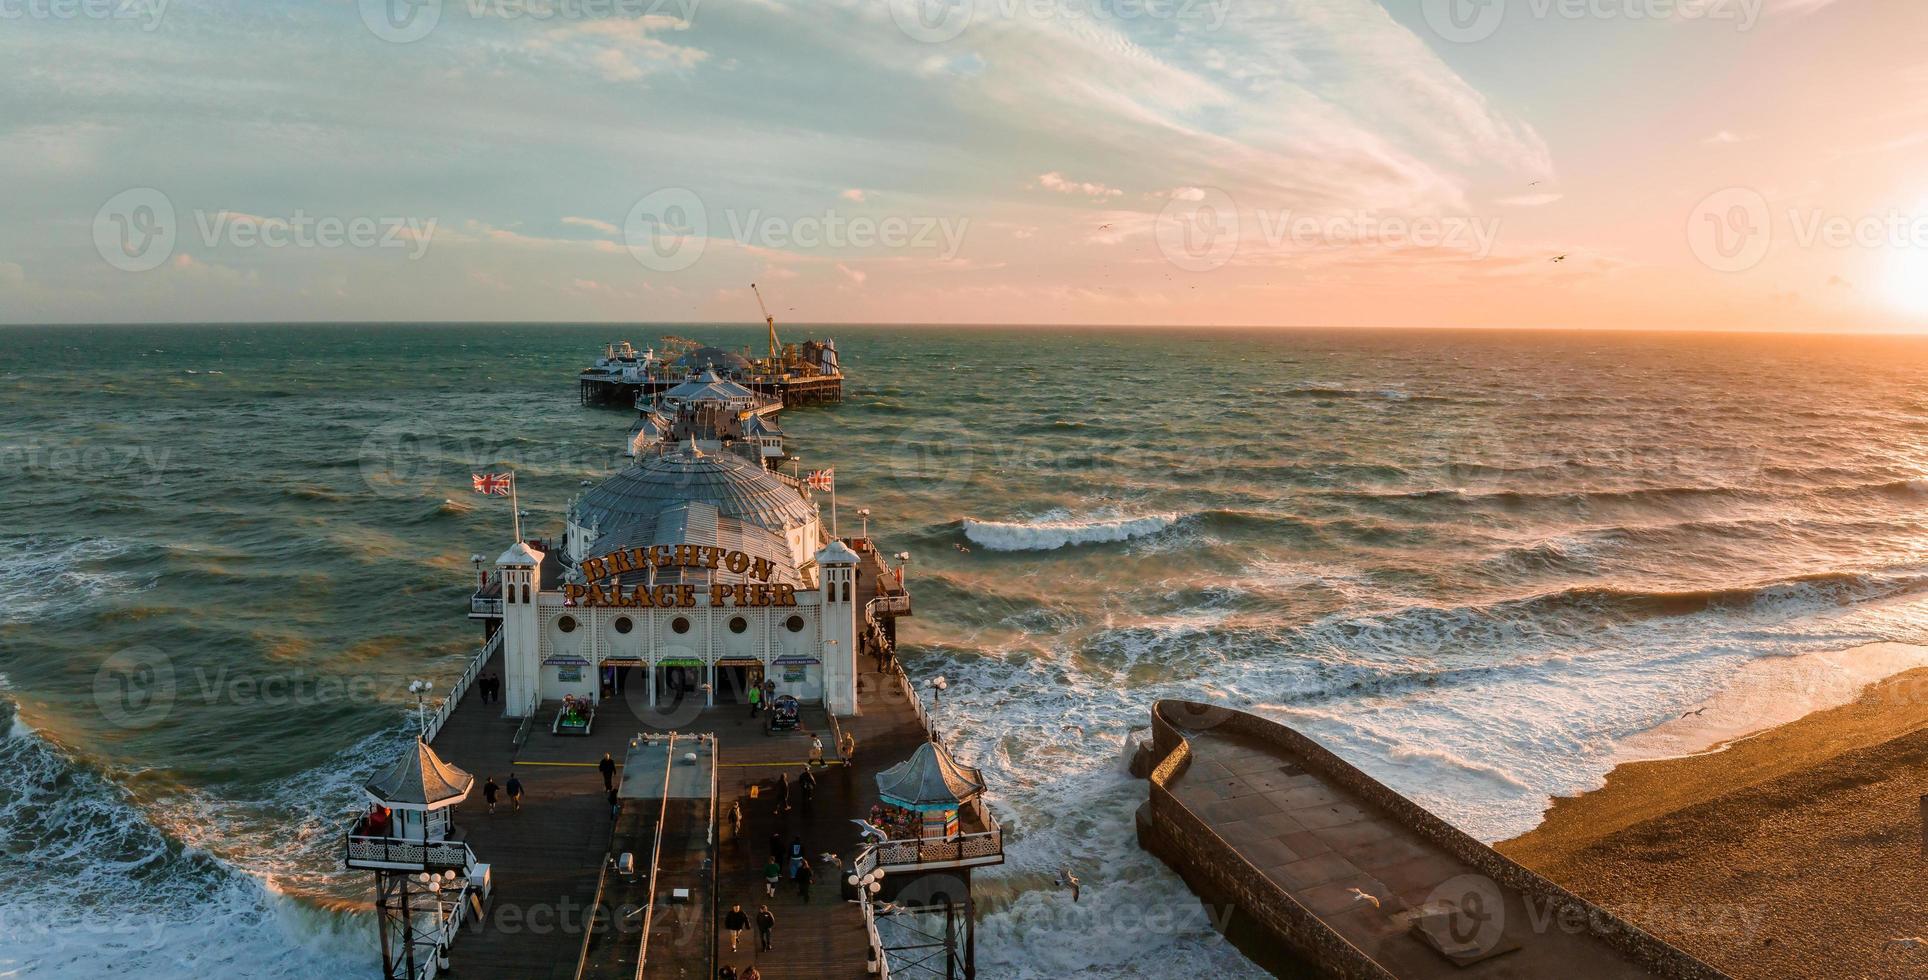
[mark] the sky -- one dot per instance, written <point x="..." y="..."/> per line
<point x="1648" y="164"/>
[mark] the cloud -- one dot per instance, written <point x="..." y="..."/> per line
<point x="1728" y="137"/>
<point x="594" y="224"/>
<point x="854" y="194"/>
<point x="621" y="49"/>
<point x="1529" y="200"/>
<point x="1055" y="181"/>
<point x="855" y="275"/>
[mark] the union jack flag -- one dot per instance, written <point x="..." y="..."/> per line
<point x="823" y="479"/>
<point x="493" y="484"/>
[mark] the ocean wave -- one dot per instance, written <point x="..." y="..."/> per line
<point x="1053" y="532"/>
<point x="39" y="576"/>
<point x="132" y="899"/>
<point x="1051" y="535"/>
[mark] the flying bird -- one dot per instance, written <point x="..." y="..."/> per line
<point x="1067" y="879"/>
<point x="1694" y="712"/>
<point x="1361" y="898"/>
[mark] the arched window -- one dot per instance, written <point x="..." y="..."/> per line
<point x="681" y="625"/>
<point x="738" y="624"/>
<point x="794" y="624"/>
<point x="624" y="624"/>
<point x="567" y="624"/>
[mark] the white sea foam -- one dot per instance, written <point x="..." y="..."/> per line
<point x="38" y="575"/>
<point x="1050" y="535"/>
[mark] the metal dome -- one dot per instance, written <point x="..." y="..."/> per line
<point x="733" y="485"/>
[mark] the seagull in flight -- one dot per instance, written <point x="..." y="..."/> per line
<point x="1067" y="879"/>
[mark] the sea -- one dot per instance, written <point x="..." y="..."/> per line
<point x="1479" y="565"/>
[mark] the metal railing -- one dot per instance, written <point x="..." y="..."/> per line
<point x="365" y="851"/>
<point x="442" y="711"/>
<point x="487" y="607"/>
<point x="876" y="941"/>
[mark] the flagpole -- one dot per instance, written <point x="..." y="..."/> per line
<point x="515" y="507"/>
<point x="833" y="505"/>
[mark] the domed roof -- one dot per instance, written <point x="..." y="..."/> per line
<point x="722" y="360"/>
<point x="733" y="485"/>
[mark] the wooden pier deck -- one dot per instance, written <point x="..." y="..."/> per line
<point x="546" y="859"/>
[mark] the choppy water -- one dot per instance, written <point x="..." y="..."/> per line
<point x="1472" y="563"/>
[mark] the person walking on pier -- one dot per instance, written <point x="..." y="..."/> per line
<point x="608" y="768"/>
<point x="796" y="855"/>
<point x="515" y="791"/>
<point x="808" y="784"/>
<point x="735" y="920"/>
<point x="489" y="790"/>
<point x="783" y="792"/>
<point x="772" y="874"/>
<point x="750" y="973"/>
<point x="804" y="877"/>
<point x="816" y="751"/>
<point x="765" y="924"/>
<point x="756" y="700"/>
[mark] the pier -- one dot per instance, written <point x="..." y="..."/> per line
<point x="561" y="906"/>
<point x="1317" y="860"/>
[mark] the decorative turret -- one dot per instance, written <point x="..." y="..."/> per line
<point x="837" y="570"/>
<point x="521" y="569"/>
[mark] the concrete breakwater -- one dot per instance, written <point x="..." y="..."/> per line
<point x="1328" y="872"/>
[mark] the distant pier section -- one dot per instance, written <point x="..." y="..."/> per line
<point x="1325" y="870"/>
<point x="792" y="374"/>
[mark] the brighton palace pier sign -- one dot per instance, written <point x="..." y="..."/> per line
<point x="679" y="595"/>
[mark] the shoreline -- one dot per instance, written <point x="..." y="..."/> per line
<point x="1775" y="847"/>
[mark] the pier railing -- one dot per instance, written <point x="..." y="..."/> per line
<point x="394" y="854"/>
<point x="461" y="687"/>
<point x="965" y="850"/>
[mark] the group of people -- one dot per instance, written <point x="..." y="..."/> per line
<point x="490" y="791"/>
<point x="490" y="687"/>
<point x="899" y="823"/>
<point x="800" y="870"/>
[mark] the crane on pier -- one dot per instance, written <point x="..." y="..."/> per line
<point x="772" y="323"/>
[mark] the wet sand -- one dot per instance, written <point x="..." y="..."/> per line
<point x="1793" y="851"/>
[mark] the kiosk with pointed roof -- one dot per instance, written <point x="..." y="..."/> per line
<point x="933" y="785"/>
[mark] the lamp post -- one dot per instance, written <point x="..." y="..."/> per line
<point x="481" y="577"/>
<point x="420" y="689"/>
<point x="864" y="512"/>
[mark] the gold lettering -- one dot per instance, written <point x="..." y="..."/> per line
<point x="619" y="563"/>
<point x="710" y="555"/>
<point x="759" y="594"/>
<point x="720" y="592"/>
<point x="571" y="593"/>
<point x="641" y="596"/>
<point x="762" y="568"/>
<point x="686" y="595"/>
<point x="594" y="570"/>
<point x="737" y="562"/>
<point x="666" y="595"/>
<point x="619" y="598"/>
<point x="593" y="597"/>
<point x="786" y="594"/>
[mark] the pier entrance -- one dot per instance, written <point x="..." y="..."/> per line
<point x="734" y="678"/>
